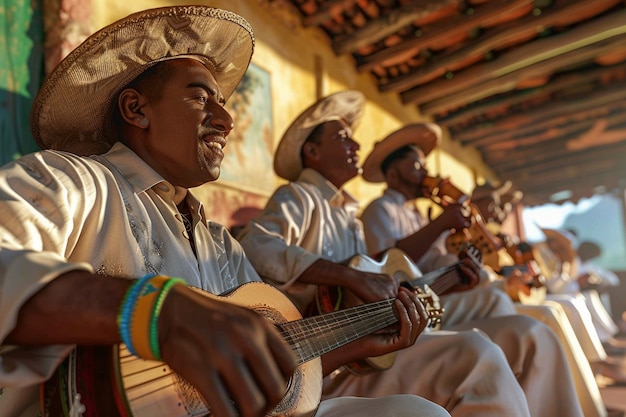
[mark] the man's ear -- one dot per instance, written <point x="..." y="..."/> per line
<point x="130" y="102"/>
<point x="309" y="150"/>
<point x="391" y="176"/>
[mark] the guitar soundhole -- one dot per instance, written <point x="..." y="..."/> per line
<point x="295" y="382"/>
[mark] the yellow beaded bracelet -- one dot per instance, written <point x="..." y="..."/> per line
<point x="139" y="313"/>
<point x="141" y="316"/>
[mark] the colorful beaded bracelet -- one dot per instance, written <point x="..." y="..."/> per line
<point x="139" y="312"/>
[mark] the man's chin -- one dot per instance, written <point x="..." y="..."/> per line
<point x="210" y="174"/>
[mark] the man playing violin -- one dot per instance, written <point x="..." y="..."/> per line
<point x="392" y="220"/>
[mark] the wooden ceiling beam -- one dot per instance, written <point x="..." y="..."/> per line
<point x="328" y="11"/>
<point x="553" y="185"/>
<point x="556" y="177"/>
<point x="434" y="33"/>
<point x="543" y="190"/>
<point x="573" y="161"/>
<point x="544" y="158"/>
<point x="534" y="59"/>
<point x="398" y="18"/>
<point x="550" y="140"/>
<point x="551" y="114"/>
<point x="570" y="165"/>
<point x="547" y="130"/>
<point x="561" y="82"/>
<point x="523" y="28"/>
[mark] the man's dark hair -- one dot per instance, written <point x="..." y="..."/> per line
<point x="149" y="83"/>
<point x="589" y="250"/>
<point x="396" y="155"/>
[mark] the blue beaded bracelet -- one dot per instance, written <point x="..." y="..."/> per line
<point x="126" y="310"/>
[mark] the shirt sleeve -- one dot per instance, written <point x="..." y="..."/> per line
<point x="279" y="242"/>
<point x="379" y="234"/>
<point x="37" y="202"/>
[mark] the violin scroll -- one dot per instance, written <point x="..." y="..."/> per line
<point x="442" y="191"/>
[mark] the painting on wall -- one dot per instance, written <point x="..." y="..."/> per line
<point x="248" y="156"/>
<point x="230" y="207"/>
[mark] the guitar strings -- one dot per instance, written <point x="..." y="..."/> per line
<point x="314" y="336"/>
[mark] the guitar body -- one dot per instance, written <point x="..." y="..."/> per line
<point x="397" y="264"/>
<point x="113" y="383"/>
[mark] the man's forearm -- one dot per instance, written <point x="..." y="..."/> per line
<point x="323" y="272"/>
<point x="417" y="244"/>
<point x="75" y="308"/>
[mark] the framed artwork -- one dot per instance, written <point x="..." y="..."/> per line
<point x="248" y="160"/>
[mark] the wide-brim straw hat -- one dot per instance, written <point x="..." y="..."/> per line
<point x="345" y="105"/>
<point x="425" y="136"/>
<point x="562" y="243"/>
<point x="72" y="111"/>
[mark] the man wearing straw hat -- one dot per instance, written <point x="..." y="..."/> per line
<point x="309" y="228"/>
<point x="131" y="120"/>
<point x="392" y="220"/>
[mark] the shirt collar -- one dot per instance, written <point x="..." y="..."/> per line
<point x="396" y="196"/>
<point x="142" y="177"/>
<point x="337" y="197"/>
<point x="136" y="171"/>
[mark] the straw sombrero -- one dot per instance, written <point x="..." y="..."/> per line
<point x="70" y="111"/>
<point x="345" y="105"/>
<point x="423" y="135"/>
<point x="502" y="194"/>
<point x="562" y="243"/>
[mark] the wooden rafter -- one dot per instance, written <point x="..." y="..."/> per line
<point x="539" y="58"/>
<point x="328" y="11"/>
<point x="524" y="28"/>
<point x="388" y="24"/>
<point x="562" y="82"/>
<point x="552" y="114"/>
<point x="433" y="34"/>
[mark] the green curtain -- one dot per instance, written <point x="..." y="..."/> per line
<point x="21" y="74"/>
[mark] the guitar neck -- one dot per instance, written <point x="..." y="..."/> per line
<point x="314" y="336"/>
<point x="439" y="280"/>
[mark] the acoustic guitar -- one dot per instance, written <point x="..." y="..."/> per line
<point x="399" y="265"/>
<point x="110" y="382"/>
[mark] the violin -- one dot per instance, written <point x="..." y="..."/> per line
<point x="442" y="192"/>
<point x="531" y="282"/>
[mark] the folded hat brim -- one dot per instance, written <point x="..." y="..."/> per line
<point x="345" y="105"/>
<point x="425" y="136"/>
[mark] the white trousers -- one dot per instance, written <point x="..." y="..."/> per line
<point x="462" y="371"/>
<point x="554" y="316"/>
<point x="580" y="318"/>
<point x="392" y="406"/>
<point x="532" y="349"/>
